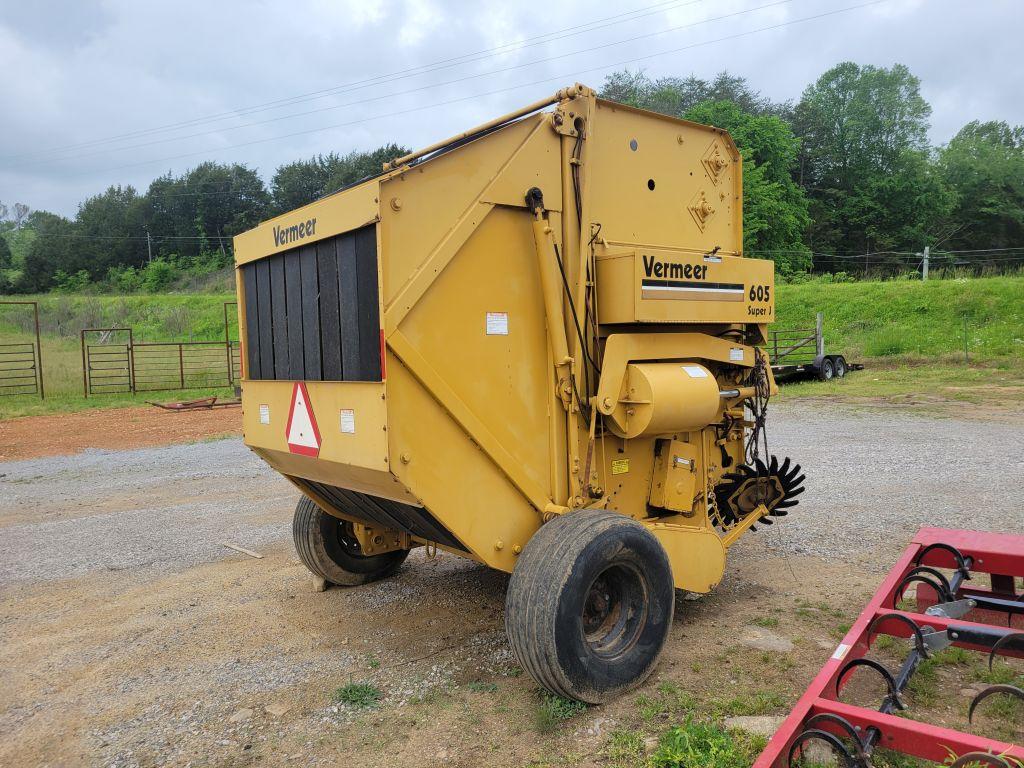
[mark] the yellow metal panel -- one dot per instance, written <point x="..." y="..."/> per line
<point x="663" y="192"/>
<point x="626" y="469"/>
<point x="675" y="476"/>
<point x="374" y="482"/>
<point x="455" y="480"/>
<point x="421" y="205"/>
<point x="535" y="164"/>
<point x="495" y="377"/>
<point x="328" y="217"/>
<point x="700" y="289"/>
<point x="697" y="555"/>
<point x="366" y="447"/>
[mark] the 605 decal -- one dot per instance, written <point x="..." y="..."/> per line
<point x="760" y="293"/>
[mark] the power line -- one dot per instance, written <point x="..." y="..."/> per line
<point x="467" y="58"/>
<point x="498" y="91"/>
<point x="86" y="236"/>
<point x="418" y="89"/>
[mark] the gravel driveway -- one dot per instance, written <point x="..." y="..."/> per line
<point x="130" y="636"/>
<point x="872" y="480"/>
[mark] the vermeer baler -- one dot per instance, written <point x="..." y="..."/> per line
<point x="534" y="345"/>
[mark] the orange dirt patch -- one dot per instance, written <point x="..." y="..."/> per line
<point x="31" y="437"/>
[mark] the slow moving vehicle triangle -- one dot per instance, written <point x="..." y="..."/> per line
<point x="302" y="433"/>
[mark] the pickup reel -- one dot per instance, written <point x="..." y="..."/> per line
<point x="774" y="485"/>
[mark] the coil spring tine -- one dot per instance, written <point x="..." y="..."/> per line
<point x="979" y="757"/>
<point x="998" y="644"/>
<point x="890" y="681"/>
<point x="847" y="727"/>
<point x="961" y="561"/>
<point x="918" y="635"/>
<point x="947" y="589"/>
<point x="908" y="580"/>
<point x="837" y="745"/>
<point x="1012" y="690"/>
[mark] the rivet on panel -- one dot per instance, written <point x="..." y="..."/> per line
<point x="396" y="204"/>
<point x="499" y="544"/>
<point x="516" y="549"/>
<point x="406" y="458"/>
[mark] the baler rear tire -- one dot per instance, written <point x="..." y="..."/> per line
<point x="326" y="547"/>
<point x="581" y="573"/>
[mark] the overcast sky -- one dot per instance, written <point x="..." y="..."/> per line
<point x="89" y="89"/>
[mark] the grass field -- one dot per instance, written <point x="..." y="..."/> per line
<point x="911" y="334"/>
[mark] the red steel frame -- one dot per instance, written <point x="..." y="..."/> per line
<point x="999" y="555"/>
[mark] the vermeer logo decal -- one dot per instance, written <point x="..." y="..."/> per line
<point x="674" y="281"/>
<point x="285" y="235"/>
<point x="668" y="269"/>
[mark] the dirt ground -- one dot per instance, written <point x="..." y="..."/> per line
<point x="130" y="636"/>
<point x="111" y="429"/>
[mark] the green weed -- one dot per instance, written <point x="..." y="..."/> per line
<point x="705" y="745"/>
<point x="554" y="710"/>
<point x="359" y="695"/>
<point x="754" y="703"/>
<point x="625" y="748"/>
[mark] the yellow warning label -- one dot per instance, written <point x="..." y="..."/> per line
<point x="620" y="466"/>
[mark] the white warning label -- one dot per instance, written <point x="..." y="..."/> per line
<point x="736" y="355"/>
<point x="264" y="414"/>
<point x="348" y="421"/>
<point x="497" y="323"/>
<point x="695" y="371"/>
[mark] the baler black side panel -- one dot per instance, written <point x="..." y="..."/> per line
<point x="252" y="343"/>
<point x="384" y="513"/>
<point x="366" y="305"/>
<point x="330" y="318"/>
<point x="312" y="313"/>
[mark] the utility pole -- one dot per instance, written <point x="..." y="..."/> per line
<point x="924" y="263"/>
<point x="149" y="247"/>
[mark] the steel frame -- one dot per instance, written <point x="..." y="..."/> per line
<point x="159" y="366"/>
<point x="1001" y="556"/>
<point x="36" y="351"/>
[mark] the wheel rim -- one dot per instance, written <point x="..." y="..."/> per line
<point x="615" y="611"/>
<point x="827" y="369"/>
<point x="347" y="540"/>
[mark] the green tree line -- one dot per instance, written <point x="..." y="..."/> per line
<point x="845" y="179"/>
<point x="842" y="181"/>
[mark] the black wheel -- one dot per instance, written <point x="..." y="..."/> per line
<point x="589" y="605"/>
<point x="329" y="549"/>
<point x="826" y="370"/>
<point x="840" y="366"/>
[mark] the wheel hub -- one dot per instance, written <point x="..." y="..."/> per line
<point x="614" y="611"/>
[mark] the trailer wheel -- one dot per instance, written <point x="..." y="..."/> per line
<point x="328" y="548"/>
<point x="589" y="605"/>
<point x="826" y="369"/>
<point x="841" y="367"/>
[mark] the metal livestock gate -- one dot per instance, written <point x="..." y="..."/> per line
<point x="21" y="362"/>
<point x="114" y="362"/>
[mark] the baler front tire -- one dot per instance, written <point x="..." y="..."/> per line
<point x="326" y="547"/>
<point x="589" y="605"/>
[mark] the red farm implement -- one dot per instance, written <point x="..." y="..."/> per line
<point x="951" y="610"/>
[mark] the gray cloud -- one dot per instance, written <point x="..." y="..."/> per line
<point x="73" y="73"/>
